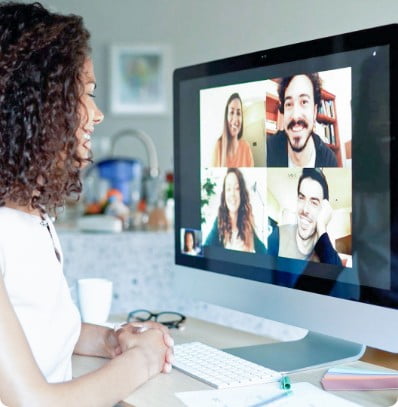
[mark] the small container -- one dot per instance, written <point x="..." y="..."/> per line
<point x="157" y="219"/>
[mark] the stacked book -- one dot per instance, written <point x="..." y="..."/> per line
<point x="348" y="378"/>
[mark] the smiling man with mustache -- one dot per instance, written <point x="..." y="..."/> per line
<point x="297" y="145"/>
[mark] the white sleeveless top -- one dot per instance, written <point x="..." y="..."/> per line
<point x="37" y="288"/>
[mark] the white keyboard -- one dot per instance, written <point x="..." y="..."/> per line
<point x="218" y="368"/>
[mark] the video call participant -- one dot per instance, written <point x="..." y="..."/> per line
<point x="230" y="149"/>
<point x="308" y="239"/>
<point x="233" y="228"/>
<point x="190" y="243"/>
<point x="297" y="145"/>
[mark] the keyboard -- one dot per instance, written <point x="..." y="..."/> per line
<point x="218" y="368"/>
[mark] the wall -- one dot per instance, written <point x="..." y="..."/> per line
<point x="199" y="31"/>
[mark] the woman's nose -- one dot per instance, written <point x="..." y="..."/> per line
<point x="99" y="116"/>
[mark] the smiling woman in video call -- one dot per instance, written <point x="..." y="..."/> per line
<point x="233" y="228"/>
<point x="230" y="149"/>
<point x="47" y="117"/>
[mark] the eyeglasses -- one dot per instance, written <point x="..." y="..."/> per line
<point x="168" y="318"/>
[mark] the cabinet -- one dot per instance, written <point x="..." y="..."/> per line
<point x="326" y="125"/>
<point x="273" y="118"/>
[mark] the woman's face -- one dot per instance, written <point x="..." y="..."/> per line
<point x="89" y="112"/>
<point x="189" y="241"/>
<point x="234" y="117"/>
<point x="232" y="193"/>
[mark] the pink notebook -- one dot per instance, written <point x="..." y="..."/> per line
<point x="357" y="379"/>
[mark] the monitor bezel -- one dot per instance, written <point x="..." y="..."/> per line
<point x="378" y="36"/>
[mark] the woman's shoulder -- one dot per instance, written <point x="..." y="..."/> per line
<point x="244" y="145"/>
<point x="15" y="222"/>
<point x="7" y="218"/>
<point x="245" y="154"/>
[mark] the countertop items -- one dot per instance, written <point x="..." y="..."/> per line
<point x="99" y="223"/>
<point x="141" y="266"/>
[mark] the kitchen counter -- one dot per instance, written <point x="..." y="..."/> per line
<point x="141" y="266"/>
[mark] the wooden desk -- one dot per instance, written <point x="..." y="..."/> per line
<point x="159" y="392"/>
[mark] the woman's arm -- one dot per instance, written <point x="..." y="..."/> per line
<point x="22" y="383"/>
<point x="251" y="159"/>
<point x="96" y="340"/>
<point x="216" y="162"/>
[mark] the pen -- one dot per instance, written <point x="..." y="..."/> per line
<point x="272" y="399"/>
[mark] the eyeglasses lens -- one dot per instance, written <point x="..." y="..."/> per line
<point x="140" y="316"/>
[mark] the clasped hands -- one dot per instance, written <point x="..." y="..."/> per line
<point x="152" y="338"/>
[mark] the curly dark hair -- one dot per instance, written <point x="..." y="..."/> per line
<point x="41" y="59"/>
<point x="245" y="216"/>
<point x="316" y="85"/>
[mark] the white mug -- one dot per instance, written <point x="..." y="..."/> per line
<point x="95" y="299"/>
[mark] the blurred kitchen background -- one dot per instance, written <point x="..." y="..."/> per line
<point x="140" y="260"/>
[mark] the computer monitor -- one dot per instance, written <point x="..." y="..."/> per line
<point x="286" y="204"/>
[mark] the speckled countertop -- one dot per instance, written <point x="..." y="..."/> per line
<point x="141" y="266"/>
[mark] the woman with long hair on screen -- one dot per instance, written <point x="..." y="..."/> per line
<point x="47" y="118"/>
<point x="233" y="228"/>
<point x="230" y="149"/>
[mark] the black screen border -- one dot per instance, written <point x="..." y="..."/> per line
<point x="372" y="37"/>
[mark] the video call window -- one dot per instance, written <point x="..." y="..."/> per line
<point x="234" y="212"/>
<point x="295" y="208"/>
<point x="310" y="108"/>
<point x="229" y="114"/>
<point x="191" y="242"/>
<point x="257" y="140"/>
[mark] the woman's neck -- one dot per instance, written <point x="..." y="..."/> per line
<point x="27" y="209"/>
<point x="233" y="217"/>
<point x="233" y="147"/>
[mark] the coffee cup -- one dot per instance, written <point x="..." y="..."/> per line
<point x="95" y="299"/>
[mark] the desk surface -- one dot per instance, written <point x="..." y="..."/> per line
<point x="160" y="391"/>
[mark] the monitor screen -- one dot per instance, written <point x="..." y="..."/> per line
<point x="284" y="163"/>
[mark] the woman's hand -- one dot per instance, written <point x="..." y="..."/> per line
<point x="153" y="338"/>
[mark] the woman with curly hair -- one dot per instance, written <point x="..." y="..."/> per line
<point x="47" y="118"/>
<point x="233" y="228"/>
<point x="230" y="149"/>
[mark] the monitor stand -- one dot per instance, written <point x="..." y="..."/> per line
<point x="312" y="351"/>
